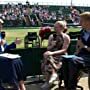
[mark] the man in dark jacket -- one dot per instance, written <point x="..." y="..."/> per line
<point x="72" y="66"/>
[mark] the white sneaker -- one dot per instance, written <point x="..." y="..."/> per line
<point x="53" y="78"/>
<point x="45" y="86"/>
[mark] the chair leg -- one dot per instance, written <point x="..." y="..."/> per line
<point x="60" y="83"/>
<point x="79" y="76"/>
<point x="80" y="87"/>
<point x="89" y="80"/>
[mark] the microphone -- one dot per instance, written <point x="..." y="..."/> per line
<point x="54" y="36"/>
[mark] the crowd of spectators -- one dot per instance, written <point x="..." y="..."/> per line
<point x="31" y="15"/>
<point x="25" y="14"/>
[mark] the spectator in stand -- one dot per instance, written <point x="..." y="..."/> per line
<point x="1" y="22"/>
<point x="74" y="15"/>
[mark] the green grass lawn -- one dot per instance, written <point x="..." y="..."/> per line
<point x="12" y="33"/>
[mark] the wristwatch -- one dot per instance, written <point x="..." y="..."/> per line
<point x="85" y="46"/>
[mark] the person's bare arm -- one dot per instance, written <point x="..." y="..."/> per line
<point x="51" y="43"/>
<point x="53" y="63"/>
<point x="18" y="41"/>
<point x="21" y="85"/>
<point x="65" y="46"/>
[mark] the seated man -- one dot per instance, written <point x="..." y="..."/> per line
<point x="72" y="66"/>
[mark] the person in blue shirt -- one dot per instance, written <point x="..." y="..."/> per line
<point x="3" y="44"/>
<point x="72" y="66"/>
<point x="11" y="70"/>
<point x="4" y="47"/>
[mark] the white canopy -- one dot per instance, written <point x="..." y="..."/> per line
<point x="50" y="2"/>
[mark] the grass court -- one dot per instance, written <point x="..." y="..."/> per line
<point x="12" y="33"/>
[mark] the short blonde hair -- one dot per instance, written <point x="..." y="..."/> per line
<point x="62" y="23"/>
<point x="85" y="16"/>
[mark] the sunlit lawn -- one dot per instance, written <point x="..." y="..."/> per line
<point x="12" y="33"/>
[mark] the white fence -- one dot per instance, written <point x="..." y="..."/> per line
<point x="50" y="2"/>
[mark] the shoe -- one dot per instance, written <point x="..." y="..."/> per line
<point x="53" y="78"/>
<point x="45" y="86"/>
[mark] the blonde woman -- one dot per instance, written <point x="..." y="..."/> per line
<point x="58" y="44"/>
